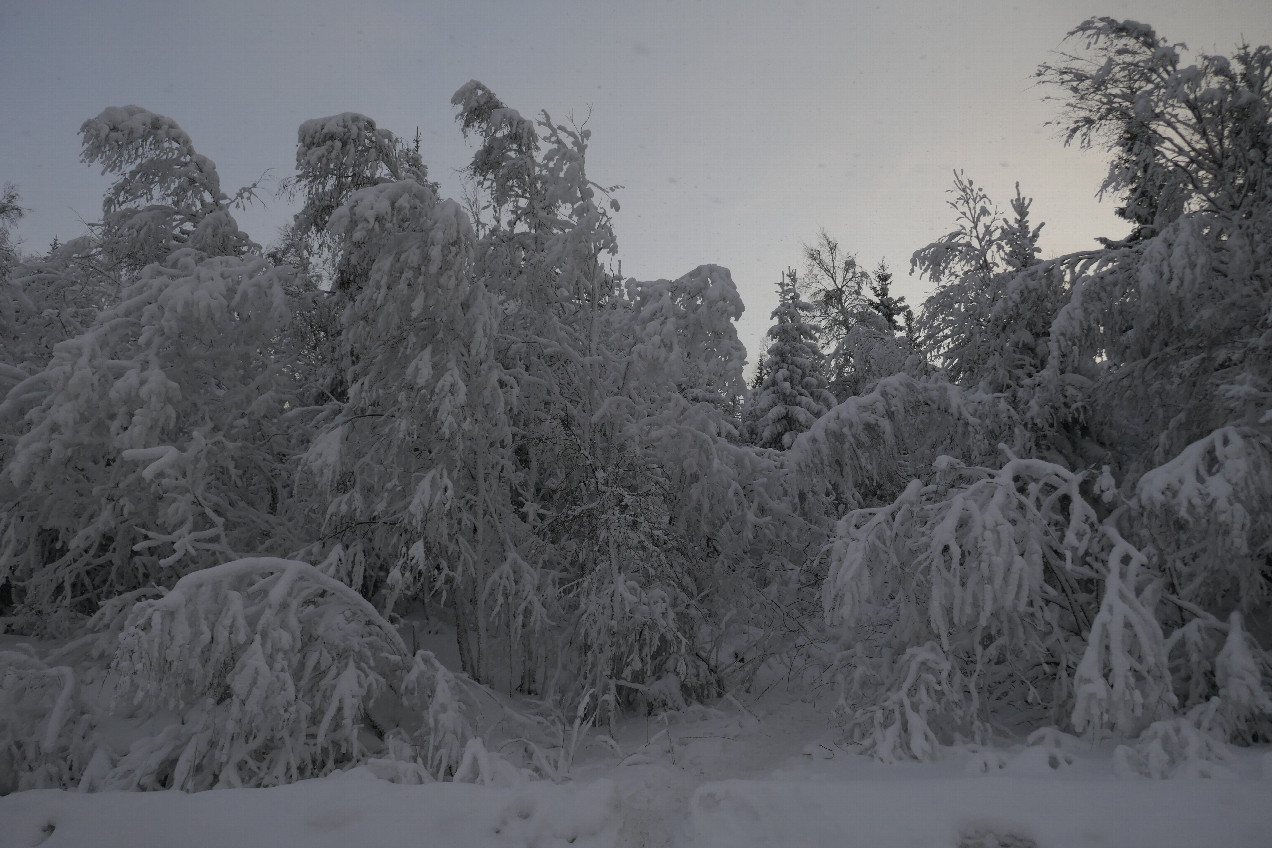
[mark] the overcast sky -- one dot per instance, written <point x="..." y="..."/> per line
<point x="737" y="129"/>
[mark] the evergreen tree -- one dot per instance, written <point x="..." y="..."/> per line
<point x="895" y="310"/>
<point x="793" y="394"/>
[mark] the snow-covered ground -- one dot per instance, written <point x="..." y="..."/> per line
<point x="764" y="774"/>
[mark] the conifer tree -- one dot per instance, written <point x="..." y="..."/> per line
<point x="895" y="310"/>
<point x="793" y="394"/>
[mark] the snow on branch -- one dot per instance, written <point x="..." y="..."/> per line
<point x="1223" y="479"/>
<point x="1209" y="512"/>
<point x="867" y="447"/>
<point x="1122" y="682"/>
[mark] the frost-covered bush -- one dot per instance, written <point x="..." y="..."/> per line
<point x="46" y="728"/>
<point x="438" y="724"/>
<point x="991" y="592"/>
<point x="252" y="673"/>
<point x="1123" y="680"/>
<point x="1191" y="745"/>
<point x="635" y="609"/>
<point x="908" y="705"/>
<point x="1201" y="520"/>
<point x="870" y="351"/>
<point x="1243" y="676"/>
<point x="963" y="596"/>
<point x="268" y="666"/>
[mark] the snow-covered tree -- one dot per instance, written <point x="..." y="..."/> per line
<point x="1168" y="322"/>
<point x="856" y="317"/>
<point x="166" y="195"/>
<point x="11" y="213"/>
<point x="413" y="462"/>
<point x="835" y="286"/>
<point x="151" y="443"/>
<point x="1147" y="353"/>
<point x="687" y="337"/>
<point x="1174" y="310"/>
<point x="988" y="323"/>
<point x="1062" y="520"/>
<point x="336" y="156"/>
<point x="49" y="299"/>
<point x="793" y="394"/>
<point x="968" y="322"/>
<point x="630" y="489"/>
<point x="1183" y="137"/>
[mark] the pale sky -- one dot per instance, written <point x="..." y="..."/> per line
<point x="737" y="129"/>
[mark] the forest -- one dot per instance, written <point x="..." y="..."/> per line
<point x="242" y="482"/>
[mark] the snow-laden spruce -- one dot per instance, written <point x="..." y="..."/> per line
<point x="793" y="393"/>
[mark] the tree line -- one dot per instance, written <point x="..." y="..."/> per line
<point x="231" y="470"/>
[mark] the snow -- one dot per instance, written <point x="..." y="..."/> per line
<point x="988" y="812"/>
<point x="348" y="810"/>
<point x="766" y="773"/>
